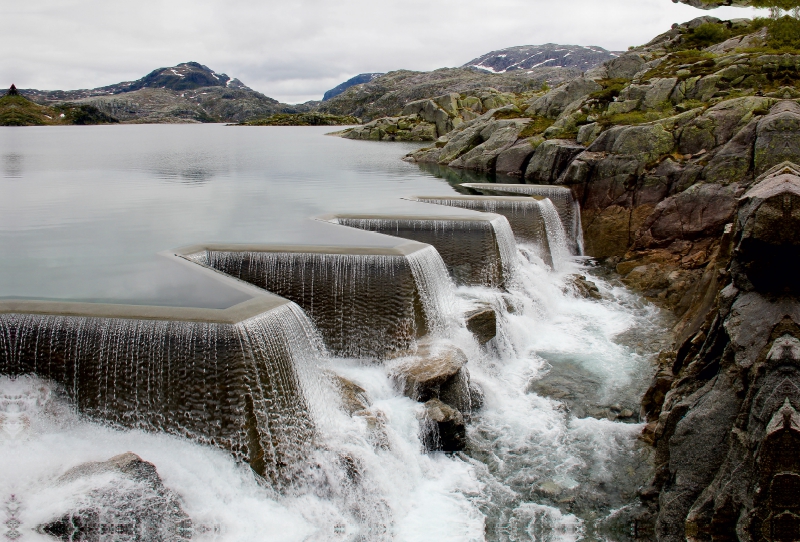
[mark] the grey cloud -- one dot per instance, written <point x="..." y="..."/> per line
<point x="294" y="51"/>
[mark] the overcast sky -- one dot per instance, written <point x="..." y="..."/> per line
<point x="296" y="50"/>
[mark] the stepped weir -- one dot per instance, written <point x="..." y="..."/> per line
<point x="478" y="249"/>
<point x="234" y="378"/>
<point x="533" y="220"/>
<point x="365" y="301"/>
<point x="561" y="196"/>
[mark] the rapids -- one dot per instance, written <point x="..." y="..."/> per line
<point x="545" y="460"/>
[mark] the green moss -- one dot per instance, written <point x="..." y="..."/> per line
<point x="537" y="125"/>
<point x="611" y="89"/>
<point x="83" y="115"/>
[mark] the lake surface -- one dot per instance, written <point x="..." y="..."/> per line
<point x="84" y="211"/>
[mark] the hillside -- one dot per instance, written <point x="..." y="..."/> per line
<point x="16" y="110"/>
<point x="188" y="92"/>
<point x="531" y="57"/>
<point x="388" y="94"/>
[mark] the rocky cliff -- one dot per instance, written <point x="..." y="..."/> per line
<point x="726" y="427"/>
<point x="656" y="144"/>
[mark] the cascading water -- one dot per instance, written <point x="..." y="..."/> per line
<point x="469" y="247"/>
<point x="435" y="289"/>
<point x="234" y="386"/>
<point x="544" y="459"/>
<point x="361" y="303"/>
<point x="556" y="236"/>
<point x="568" y="207"/>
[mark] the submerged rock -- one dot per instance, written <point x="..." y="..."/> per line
<point x="134" y="506"/>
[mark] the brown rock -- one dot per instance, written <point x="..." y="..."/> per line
<point x="482" y="323"/>
<point x="354" y="397"/>
<point x="443" y="427"/>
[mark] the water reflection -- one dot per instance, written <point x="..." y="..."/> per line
<point x="188" y="167"/>
<point x="457" y="177"/>
<point x="12" y="165"/>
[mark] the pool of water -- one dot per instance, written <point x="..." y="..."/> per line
<point x="84" y="211"/>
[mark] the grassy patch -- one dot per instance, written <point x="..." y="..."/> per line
<point x="537" y="125"/>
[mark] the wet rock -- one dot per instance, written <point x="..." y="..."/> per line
<point x="482" y="323"/>
<point x="376" y="427"/>
<point x="583" y="287"/>
<point x="435" y="372"/>
<point x="443" y="427"/>
<point x="135" y="505"/>
<point x="354" y="397"/>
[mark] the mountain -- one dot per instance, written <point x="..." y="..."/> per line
<point x="357" y="80"/>
<point x="530" y="57"/>
<point x="388" y="94"/>
<point x="188" y="92"/>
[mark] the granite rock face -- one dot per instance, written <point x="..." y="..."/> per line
<point x="727" y="429"/>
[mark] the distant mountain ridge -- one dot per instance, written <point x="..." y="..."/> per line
<point x="530" y="57"/>
<point x="187" y="92"/>
<point x="359" y="79"/>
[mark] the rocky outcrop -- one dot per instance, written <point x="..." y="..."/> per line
<point x="134" y="504"/>
<point x="727" y="428"/>
<point x="429" y="119"/>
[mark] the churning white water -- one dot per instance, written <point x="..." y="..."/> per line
<point x="545" y="456"/>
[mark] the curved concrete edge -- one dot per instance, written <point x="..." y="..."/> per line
<point x="509" y="199"/>
<point x="475" y="216"/>
<point x="530" y="189"/>
<point x="260" y="302"/>
<point x="403" y="248"/>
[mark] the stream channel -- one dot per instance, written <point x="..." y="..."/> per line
<point x="551" y="454"/>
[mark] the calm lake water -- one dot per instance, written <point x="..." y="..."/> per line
<point x="84" y="211"/>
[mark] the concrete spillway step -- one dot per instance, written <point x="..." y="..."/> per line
<point x="478" y="249"/>
<point x="561" y="196"/>
<point x="365" y="301"/>
<point x="229" y="377"/>
<point x="527" y="216"/>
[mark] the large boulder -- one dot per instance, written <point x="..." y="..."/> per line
<point x="435" y="372"/>
<point x="778" y="136"/>
<point x="550" y="159"/>
<point x="554" y="102"/>
<point x="123" y="495"/>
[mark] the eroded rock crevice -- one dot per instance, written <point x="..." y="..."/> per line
<point x="725" y="423"/>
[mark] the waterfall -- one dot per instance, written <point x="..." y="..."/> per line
<point x="506" y="245"/>
<point x="467" y="246"/>
<point x="561" y="196"/>
<point x="435" y="288"/>
<point x="556" y="237"/>
<point x="233" y="386"/>
<point x="362" y="304"/>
